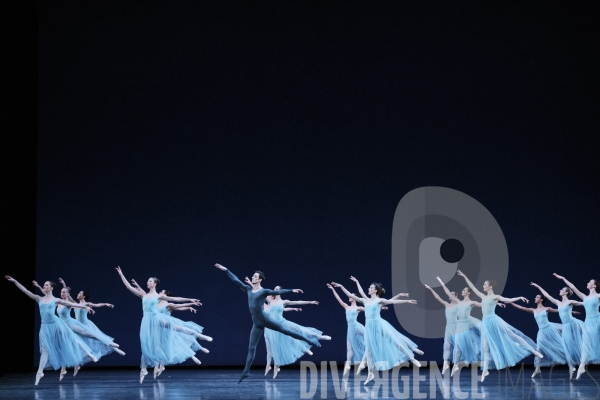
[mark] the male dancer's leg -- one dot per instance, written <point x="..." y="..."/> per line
<point x="255" y="335"/>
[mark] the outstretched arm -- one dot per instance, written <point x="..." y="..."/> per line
<point x="577" y="303"/>
<point x="360" y="289"/>
<point x="526" y="309"/>
<point x="386" y="301"/>
<point x="234" y="278"/>
<point x="348" y="293"/>
<point x="473" y="288"/>
<point x="138" y="287"/>
<point x="99" y="305"/>
<point x="22" y="288"/>
<point x="445" y="303"/>
<point x="512" y="300"/>
<point x="337" y="297"/>
<point x="448" y="292"/>
<point x="74" y="305"/>
<point x="552" y="299"/>
<point x="127" y="285"/>
<point x="569" y="284"/>
<point x="299" y="303"/>
<point x="291" y="309"/>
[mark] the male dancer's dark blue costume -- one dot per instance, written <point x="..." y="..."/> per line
<point x="262" y="320"/>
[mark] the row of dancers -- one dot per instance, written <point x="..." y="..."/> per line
<point x="166" y="340"/>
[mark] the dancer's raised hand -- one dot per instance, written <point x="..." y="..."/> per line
<point x="90" y="310"/>
<point x="8" y="278"/>
<point x="336" y="284"/>
<point x="558" y="276"/>
<point x="297" y="291"/>
<point x="329" y="286"/>
<point x="222" y="268"/>
<point x="36" y="285"/>
<point x="411" y="301"/>
<point x="459" y="272"/>
<point x="248" y="281"/>
<point x="353" y="279"/>
<point x="62" y="282"/>
<point x="314" y="302"/>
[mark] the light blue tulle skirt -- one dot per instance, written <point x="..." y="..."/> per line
<point x="550" y="344"/>
<point x="575" y="343"/>
<point x="592" y="333"/>
<point x="97" y="341"/>
<point x="285" y="349"/>
<point x="449" y="339"/>
<point x="355" y="342"/>
<point x="161" y="345"/>
<point x="64" y="347"/>
<point x="385" y="346"/>
<point x="189" y="340"/>
<point x="504" y="349"/>
<point x="467" y="342"/>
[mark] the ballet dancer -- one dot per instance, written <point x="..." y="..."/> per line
<point x="385" y="346"/>
<point x="59" y="346"/>
<point x="575" y="343"/>
<point x="500" y="342"/>
<point x="266" y="307"/>
<point x="591" y="303"/>
<point x="285" y="349"/>
<point x="549" y="337"/>
<point x="355" y="337"/>
<point x="260" y="319"/>
<point x="156" y="330"/>
<point x="450" y="309"/>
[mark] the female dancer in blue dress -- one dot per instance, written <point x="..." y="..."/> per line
<point x="260" y="319"/>
<point x="59" y="346"/>
<point x="467" y="340"/>
<point x="285" y="349"/>
<point x="549" y="337"/>
<point x="500" y="342"/>
<point x="385" y="346"/>
<point x="355" y="337"/>
<point x="591" y="303"/>
<point x="574" y="341"/>
<point x="450" y="309"/>
<point x="156" y="330"/>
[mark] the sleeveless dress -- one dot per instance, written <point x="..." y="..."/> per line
<point x="451" y="322"/>
<point x="592" y="328"/>
<point x="572" y="335"/>
<point x="98" y="344"/>
<point x="156" y="335"/>
<point x="467" y="342"/>
<point x="285" y="349"/>
<point x="385" y="346"/>
<point x="549" y="341"/>
<point x="184" y="345"/>
<point x="65" y="349"/>
<point x="355" y="338"/>
<point x="503" y="350"/>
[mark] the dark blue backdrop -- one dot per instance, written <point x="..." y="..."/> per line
<point x="281" y="137"/>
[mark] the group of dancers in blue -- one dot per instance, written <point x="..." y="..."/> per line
<point x="496" y="344"/>
<point x="165" y="340"/>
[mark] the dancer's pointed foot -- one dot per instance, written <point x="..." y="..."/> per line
<point x="361" y="366"/>
<point x="415" y="362"/>
<point x="537" y="371"/>
<point x="310" y="353"/>
<point x="63" y="372"/>
<point x="194" y="359"/>
<point x="93" y="357"/>
<point x="204" y="337"/>
<point x="419" y="352"/>
<point x="267" y="369"/>
<point x="156" y="372"/>
<point x="370" y="377"/>
<point x="325" y="337"/>
<point x="571" y="371"/>
<point x="38" y="376"/>
<point x="243" y="376"/>
<point x="202" y="349"/>
<point x="454" y="369"/>
<point x="113" y="344"/>
<point x="143" y="374"/>
<point x="119" y="351"/>
<point x="347" y="367"/>
<point x="580" y="371"/>
<point x="76" y="370"/>
<point x="484" y="374"/>
<point x="538" y="354"/>
<point x="446" y="366"/>
<point x="275" y="372"/>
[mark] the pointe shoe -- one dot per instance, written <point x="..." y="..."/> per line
<point x="454" y="369"/>
<point x="38" y="376"/>
<point x="160" y="371"/>
<point x="243" y="376"/>
<point x="361" y="366"/>
<point x="571" y="371"/>
<point x="580" y="371"/>
<point x="370" y="377"/>
<point x="76" y="370"/>
<point x="116" y="346"/>
<point x="267" y="369"/>
<point x="325" y="337"/>
<point x="156" y="369"/>
<point x="143" y="374"/>
<point x="537" y="371"/>
<point x="538" y="354"/>
<point x="275" y="372"/>
<point x="119" y="351"/>
<point x="484" y="374"/>
<point x="63" y="372"/>
<point x="446" y="366"/>
<point x="419" y="352"/>
<point x="415" y="362"/>
<point x="195" y="360"/>
<point x="204" y="350"/>
<point x="310" y="353"/>
<point x="93" y="357"/>
<point x="204" y="337"/>
<point x="347" y="368"/>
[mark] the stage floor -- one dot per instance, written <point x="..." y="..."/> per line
<point x="190" y="383"/>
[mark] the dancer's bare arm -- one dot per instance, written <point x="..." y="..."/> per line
<point x="22" y="288"/>
<point x="552" y="299"/>
<point x="438" y="298"/>
<point x="470" y="284"/>
<point x="569" y="284"/>
<point x="337" y="297"/>
<point x="128" y="285"/>
<point x="347" y="293"/>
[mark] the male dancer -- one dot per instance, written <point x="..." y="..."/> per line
<point x="261" y="320"/>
